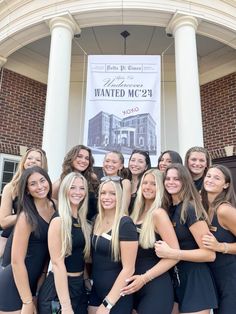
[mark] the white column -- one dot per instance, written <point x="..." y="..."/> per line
<point x="190" y="130"/>
<point x="56" y="114"/>
<point x="2" y="61"/>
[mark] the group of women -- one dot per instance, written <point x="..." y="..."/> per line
<point x="140" y="240"/>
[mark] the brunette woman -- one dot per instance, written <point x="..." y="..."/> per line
<point x="139" y="162"/>
<point x="194" y="288"/>
<point x="152" y="283"/>
<point x="18" y="281"/>
<point x="220" y="202"/>
<point x="168" y="157"/>
<point x="114" y="249"/>
<point x="33" y="157"/>
<point x="80" y="159"/>
<point x="69" y="247"/>
<point x="197" y="160"/>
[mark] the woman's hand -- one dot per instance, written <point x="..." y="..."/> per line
<point x="137" y="282"/>
<point x="29" y="309"/>
<point x="102" y="310"/>
<point x="162" y="249"/>
<point x="210" y="242"/>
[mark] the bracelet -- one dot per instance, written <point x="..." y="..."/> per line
<point x="226" y="248"/>
<point x="179" y="255"/>
<point x="150" y="278"/>
<point x="143" y="279"/>
<point x="27" y="302"/>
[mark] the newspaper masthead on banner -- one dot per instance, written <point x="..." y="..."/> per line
<point x="123" y="105"/>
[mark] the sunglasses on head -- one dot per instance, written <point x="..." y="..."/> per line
<point x="110" y="178"/>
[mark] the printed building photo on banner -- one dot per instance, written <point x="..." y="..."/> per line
<point x="123" y="105"/>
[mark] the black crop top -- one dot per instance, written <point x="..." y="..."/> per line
<point x="75" y="262"/>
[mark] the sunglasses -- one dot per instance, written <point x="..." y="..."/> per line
<point x="139" y="151"/>
<point x="110" y="178"/>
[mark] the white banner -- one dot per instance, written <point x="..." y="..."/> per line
<point x="123" y="105"/>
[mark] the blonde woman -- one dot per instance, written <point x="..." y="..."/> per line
<point x="113" y="166"/>
<point x="114" y="249"/>
<point x="69" y="247"/>
<point x="33" y="157"/>
<point x="151" y="282"/>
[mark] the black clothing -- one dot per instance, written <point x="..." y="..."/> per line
<point x="224" y="271"/>
<point x="157" y="296"/>
<point x="105" y="270"/>
<point x="194" y="287"/>
<point x="35" y="260"/>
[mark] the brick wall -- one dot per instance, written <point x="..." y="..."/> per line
<point x="22" y="106"/>
<point x="218" y="100"/>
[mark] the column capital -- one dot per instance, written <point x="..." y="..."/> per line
<point x="63" y="20"/>
<point x="179" y="20"/>
<point x="2" y="61"/>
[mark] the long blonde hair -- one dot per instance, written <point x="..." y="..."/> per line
<point x="16" y="178"/>
<point x="119" y="213"/>
<point x="147" y="232"/>
<point x="64" y="209"/>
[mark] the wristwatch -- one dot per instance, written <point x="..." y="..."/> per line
<point x="107" y="304"/>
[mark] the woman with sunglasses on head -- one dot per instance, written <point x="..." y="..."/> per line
<point x="152" y="283"/>
<point x="80" y="159"/>
<point x="113" y="166"/>
<point x="219" y="200"/>
<point x="139" y="162"/>
<point x="197" y="160"/>
<point x="19" y="280"/>
<point x="168" y="157"/>
<point x="194" y="288"/>
<point x="33" y="157"/>
<point x="69" y="247"/>
<point x="114" y="249"/>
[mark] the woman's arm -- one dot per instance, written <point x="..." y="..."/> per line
<point x="6" y="217"/>
<point x="226" y="215"/>
<point x="198" y="230"/>
<point x="164" y="227"/>
<point x="128" y="256"/>
<point x="126" y="194"/>
<point x="58" y="265"/>
<point x="19" y="249"/>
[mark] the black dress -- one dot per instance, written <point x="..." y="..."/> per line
<point x="74" y="263"/>
<point x="224" y="271"/>
<point x="36" y="257"/>
<point x="157" y="296"/>
<point x="193" y="282"/>
<point x="105" y="270"/>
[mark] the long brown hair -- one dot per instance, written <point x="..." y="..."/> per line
<point x="226" y="196"/>
<point x="188" y="194"/>
<point x="88" y="173"/>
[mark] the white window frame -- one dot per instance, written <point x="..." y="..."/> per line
<point x="3" y="158"/>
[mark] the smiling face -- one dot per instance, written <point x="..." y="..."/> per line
<point x="149" y="187"/>
<point x="172" y="183"/>
<point x="38" y="186"/>
<point x="81" y="162"/>
<point x="76" y="192"/>
<point x="108" y="196"/>
<point x="137" y="164"/>
<point x="214" y="182"/>
<point x="33" y="158"/>
<point x="112" y="164"/>
<point x="164" y="162"/>
<point x="197" y="164"/>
